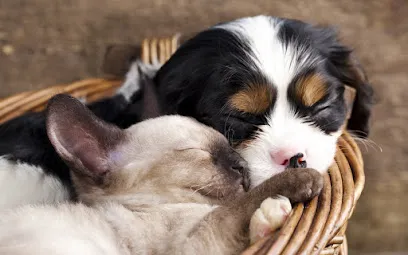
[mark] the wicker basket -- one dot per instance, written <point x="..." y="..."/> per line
<point x="314" y="228"/>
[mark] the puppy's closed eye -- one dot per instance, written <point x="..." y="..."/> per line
<point x="254" y="99"/>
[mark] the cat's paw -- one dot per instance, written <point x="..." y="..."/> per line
<point x="300" y="184"/>
<point x="269" y="217"/>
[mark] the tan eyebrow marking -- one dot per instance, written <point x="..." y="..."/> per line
<point x="311" y="89"/>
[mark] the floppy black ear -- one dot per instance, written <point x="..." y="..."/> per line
<point x="360" y="116"/>
<point x="351" y="73"/>
<point x="343" y="64"/>
<point x="81" y="139"/>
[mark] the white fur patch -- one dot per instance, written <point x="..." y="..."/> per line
<point x="21" y="184"/>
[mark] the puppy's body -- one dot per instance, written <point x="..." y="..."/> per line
<point x="168" y="185"/>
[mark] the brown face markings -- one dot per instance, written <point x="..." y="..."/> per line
<point x="255" y="99"/>
<point x="311" y="89"/>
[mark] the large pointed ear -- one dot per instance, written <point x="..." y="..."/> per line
<point x="84" y="141"/>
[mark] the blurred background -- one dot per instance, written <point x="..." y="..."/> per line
<point x="48" y="42"/>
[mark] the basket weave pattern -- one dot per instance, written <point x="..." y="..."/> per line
<point x="314" y="228"/>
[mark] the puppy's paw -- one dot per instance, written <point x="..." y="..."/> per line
<point x="301" y="184"/>
<point x="269" y="217"/>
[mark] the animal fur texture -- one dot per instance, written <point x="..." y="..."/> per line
<point x="272" y="86"/>
<point x="167" y="185"/>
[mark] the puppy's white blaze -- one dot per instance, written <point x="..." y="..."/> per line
<point x="280" y="63"/>
<point x="21" y="184"/>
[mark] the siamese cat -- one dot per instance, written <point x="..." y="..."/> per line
<point x="167" y="185"/>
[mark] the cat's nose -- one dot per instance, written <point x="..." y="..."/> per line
<point x="284" y="156"/>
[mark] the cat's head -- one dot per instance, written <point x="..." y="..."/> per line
<point x="169" y="158"/>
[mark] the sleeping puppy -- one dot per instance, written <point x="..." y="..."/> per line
<point x="168" y="185"/>
<point x="274" y="87"/>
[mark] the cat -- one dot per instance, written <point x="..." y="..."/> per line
<point x="167" y="185"/>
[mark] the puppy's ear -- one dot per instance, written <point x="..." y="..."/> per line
<point x="348" y="69"/>
<point x="360" y="116"/>
<point x="85" y="142"/>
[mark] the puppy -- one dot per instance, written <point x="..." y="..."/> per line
<point x="274" y="87"/>
<point x="168" y="185"/>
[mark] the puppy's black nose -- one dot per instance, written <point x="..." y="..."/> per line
<point x="297" y="161"/>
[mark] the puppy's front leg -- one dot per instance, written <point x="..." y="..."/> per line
<point x="225" y="230"/>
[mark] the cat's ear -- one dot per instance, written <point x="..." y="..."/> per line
<point x="84" y="142"/>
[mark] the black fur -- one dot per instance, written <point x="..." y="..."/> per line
<point x="200" y="89"/>
<point x="25" y="139"/>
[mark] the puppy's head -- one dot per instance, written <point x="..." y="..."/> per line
<point x="171" y="158"/>
<point x="274" y="87"/>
